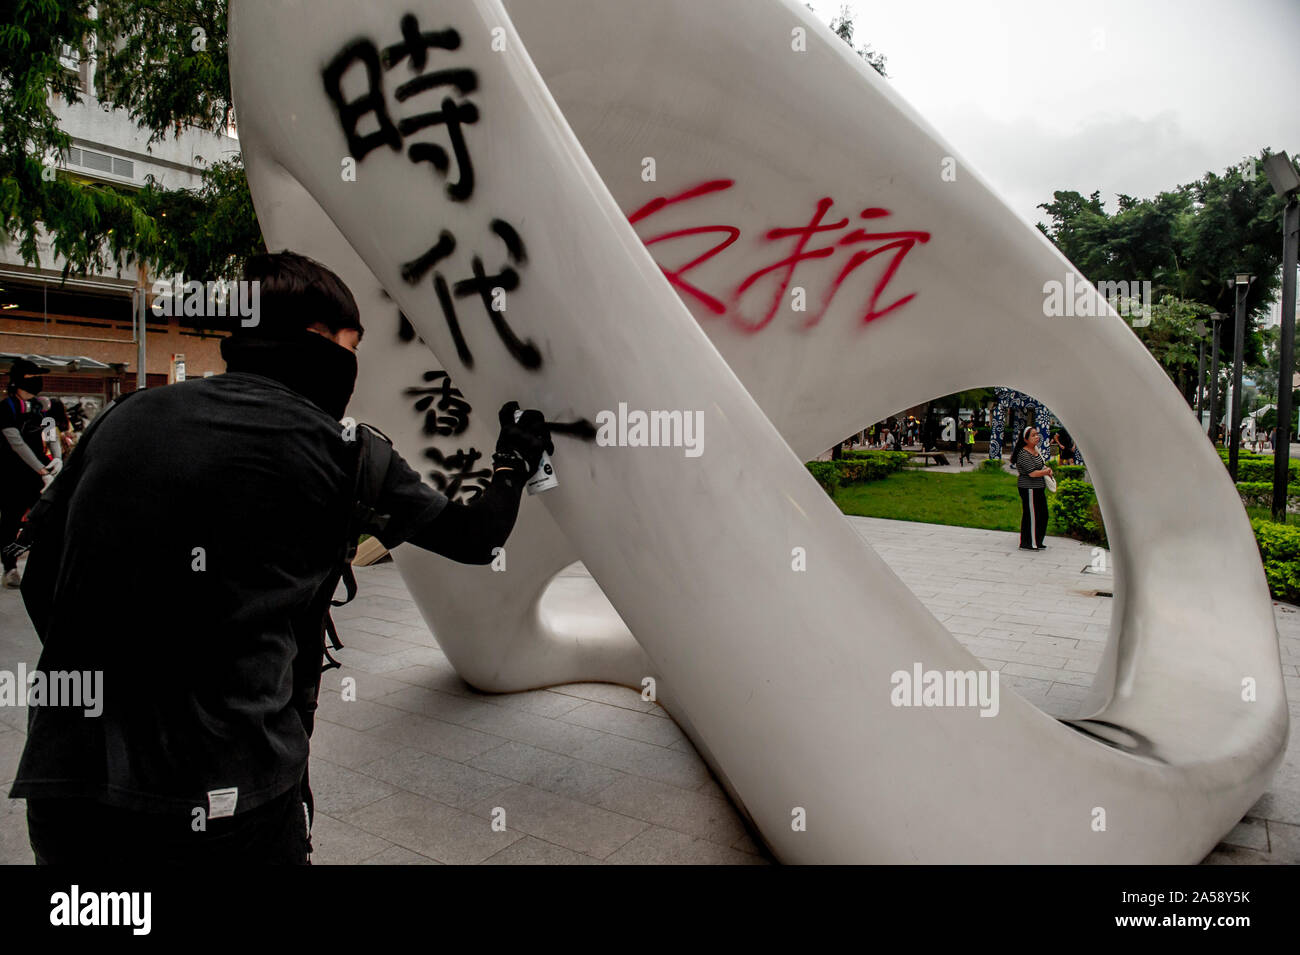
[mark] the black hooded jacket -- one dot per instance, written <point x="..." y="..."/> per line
<point x="206" y="521"/>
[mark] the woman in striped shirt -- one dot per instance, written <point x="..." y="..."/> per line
<point x="1033" y="495"/>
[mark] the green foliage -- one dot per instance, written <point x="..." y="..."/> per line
<point x="152" y="65"/>
<point x="32" y="33"/>
<point x="1188" y="242"/>
<point x="1068" y="472"/>
<point x="1260" y="493"/>
<point x="826" y="473"/>
<point x="993" y="464"/>
<point x="842" y="26"/>
<point x="857" y="467"/>
<point x="165" y="62"/>
<point x="1279" y="549"/>
<point x="1253" y="467"/>
<point x="1075" y="511"/>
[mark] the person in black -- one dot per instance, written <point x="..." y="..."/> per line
<point x="1069" y="452"/>
<point x="204" y="533"/>
<point x="23" y="461"/>
<point x="1033" y="493"/>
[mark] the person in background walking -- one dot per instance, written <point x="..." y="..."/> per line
<point x="967" y="443"/>
<point x="1069" y="452"/>
<point x="1033" y="494"/>
<point x="22" y="469"/>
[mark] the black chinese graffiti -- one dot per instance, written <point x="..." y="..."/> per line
<point x="418" y="50"/>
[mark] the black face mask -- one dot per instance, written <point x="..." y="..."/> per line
<point x="310" y="364"/>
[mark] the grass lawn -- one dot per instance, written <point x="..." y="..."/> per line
<point x="970" y="499"/>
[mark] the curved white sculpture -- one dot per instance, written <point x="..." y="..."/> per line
<point x="780" y="677"/>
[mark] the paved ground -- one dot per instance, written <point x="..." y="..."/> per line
<point x="411" y="771"/>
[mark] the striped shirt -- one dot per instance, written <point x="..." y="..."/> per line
<point x="1027" y="461"/>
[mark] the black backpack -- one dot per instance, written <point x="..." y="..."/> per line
<point x="373" y="459"/>
<point x="30" y="426"/>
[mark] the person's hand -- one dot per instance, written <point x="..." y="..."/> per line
<point x="522" y="442"/>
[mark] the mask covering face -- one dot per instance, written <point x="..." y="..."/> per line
<point x="310" y="364"/>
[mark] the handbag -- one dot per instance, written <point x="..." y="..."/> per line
<point x="1049" y="482"/>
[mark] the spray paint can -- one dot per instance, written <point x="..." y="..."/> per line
<point x="543" y="479"/>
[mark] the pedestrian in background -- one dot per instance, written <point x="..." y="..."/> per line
<point x="1033" y="489"/>
<point x="24" y="464"/>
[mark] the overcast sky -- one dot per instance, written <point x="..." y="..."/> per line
<point x="1132" y="96"/>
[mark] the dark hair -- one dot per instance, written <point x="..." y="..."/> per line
<point x="296" y="292"/>
<point x="1063" y="436"/>
<point x="1020" y="440"/>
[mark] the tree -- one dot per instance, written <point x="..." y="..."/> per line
<point x="164" y="63"/>
<point x="842" y="25"/>
<point x="1188" y="242"/>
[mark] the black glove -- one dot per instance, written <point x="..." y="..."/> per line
<point x="522" y="442"/>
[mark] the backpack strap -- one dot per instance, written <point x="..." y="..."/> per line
<point x="374" y="455"/>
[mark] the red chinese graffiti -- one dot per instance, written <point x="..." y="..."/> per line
<point x="781" y="274"/>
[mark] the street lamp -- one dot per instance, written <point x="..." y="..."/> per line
<point x="1216" y="321"/>
<point x="1201" y="329"/>
<point x="1242" y="286"/>
<point x="1286" y="183"/>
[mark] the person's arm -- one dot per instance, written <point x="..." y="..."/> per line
<point x="20" y="448"/>
<point x="467" y="533"/>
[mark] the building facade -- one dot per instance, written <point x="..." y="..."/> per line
<point x="86" y="329"/>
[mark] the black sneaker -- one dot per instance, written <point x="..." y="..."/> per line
<point x="1023" y="547"/>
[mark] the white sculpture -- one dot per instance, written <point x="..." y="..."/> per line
<point x="527" y="135"/>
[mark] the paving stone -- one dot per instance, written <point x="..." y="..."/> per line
<point x="15" y="848"/>
<point x="562" y="821"/>
<point x="552" y="772"/>
<point x="437" y="737"/>
<point x="334" y="842"/>
<point x="698" y="814"/>
<point x="536" y="730"/>
<point x="442" y="779"/>
<point x="337" y="790"/>
<point x="612" y="719"/>
<point x="674" y="767"/>
<point x="667" y="847"/>
<point x="11" y="749"/>
<point x="357" y="714"/>
<point x="348" y="747"/>
<point x="1250" y="833"/>
<point x="622" y="696"/>
<point x="432" y="829"/>
<point x="532" y="851"/>
<point x="542" y="702"/>
<point x="1284" y="842"/>
<point x="435" y="704"/>
<point x="397" y="855"/>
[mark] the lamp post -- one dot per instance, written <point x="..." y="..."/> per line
<point x="1242" y="286"/>
<point x="1201" y="329"/>
<point x="1216" y="320"/>
<point x="1286" y="183"/>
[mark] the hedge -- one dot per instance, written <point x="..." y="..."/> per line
<point x="856" y="468"/>
<point x="1253" y="467"/>
<point x="1260" y="494"/>
<point x="826" y="473"/>
<point x="1279" y="549"/>
<point x="1077" y="514"/>
<point x="993" y="464"/>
